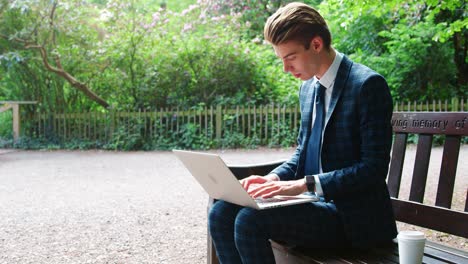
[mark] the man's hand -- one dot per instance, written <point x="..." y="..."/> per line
<point x="269" y="189"/>
<point x="255" y="180"/>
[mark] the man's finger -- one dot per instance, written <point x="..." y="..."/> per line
<point x="264" y="189"/>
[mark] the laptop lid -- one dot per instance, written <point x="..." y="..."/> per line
<point x="218" y="181"/>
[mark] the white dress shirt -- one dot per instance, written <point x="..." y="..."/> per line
<point x="327" y="81"/>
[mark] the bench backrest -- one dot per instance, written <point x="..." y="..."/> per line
<point x="427" y="124"/>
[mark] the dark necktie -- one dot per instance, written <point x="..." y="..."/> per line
<point x="312" y="162"/>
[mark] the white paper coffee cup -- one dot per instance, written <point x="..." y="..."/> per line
<point x="411" y="247"/>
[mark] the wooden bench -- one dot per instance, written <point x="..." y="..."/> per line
<point x="439" y="217"/>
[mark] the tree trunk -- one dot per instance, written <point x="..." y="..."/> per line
<point x="460" y="44"/>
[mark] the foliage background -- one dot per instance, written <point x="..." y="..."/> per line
<point x="133" y="55"/>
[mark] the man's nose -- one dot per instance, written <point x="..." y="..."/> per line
<point x="285" y="66"/>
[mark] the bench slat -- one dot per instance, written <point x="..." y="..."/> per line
<point x="382" y="256"/>
<point x="433" y="254"/>
<point x="429" y="260"/>
<point x="437" y="218"/>
<point x="448" y="170"/>
<point x="444" y="254"/>
<point x="285" y="254"/>
<point x="396" y="165"/>
<point x="466" y="201"/>
<point x="390" y="252"/>
<point x="421" y="166"/>
<point x="452" y="123"/>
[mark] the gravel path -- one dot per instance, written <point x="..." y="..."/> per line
<point x="116" y="207"/>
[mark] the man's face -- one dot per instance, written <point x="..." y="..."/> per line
<point x="300" y="62"/>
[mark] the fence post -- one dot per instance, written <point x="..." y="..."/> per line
<point x="454" y="104"/>
<point x="14" y="106"/>
<point x="112" y="123"/>
<point x="16" y="122"/>
<point x="219" y="120"/>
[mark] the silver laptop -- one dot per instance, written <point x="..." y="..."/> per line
<point x="219" y="182"/>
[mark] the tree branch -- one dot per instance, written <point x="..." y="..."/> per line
<point x="52" y="13"/>
<point x="59" y="70"/>
<point x="68" y="77"/>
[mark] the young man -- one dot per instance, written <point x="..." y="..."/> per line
<point x="342" y="155"/>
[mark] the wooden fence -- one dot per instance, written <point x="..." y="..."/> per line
<point x="262" y="122"/>
<point x="454" y="105"/>
<point x="265" y="123"/>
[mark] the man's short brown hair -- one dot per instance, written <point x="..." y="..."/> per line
<point x="298" y="22"/>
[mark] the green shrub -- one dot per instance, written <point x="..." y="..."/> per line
<point x="6" y="124"/>
<point x="285" y="138"/>
<point x="36" y="143"/>
<point x="125" y="138"/>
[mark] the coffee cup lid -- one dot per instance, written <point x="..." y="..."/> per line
<point x="411" y="235"/>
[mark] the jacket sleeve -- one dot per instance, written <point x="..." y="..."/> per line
<point x="288" y="169"/>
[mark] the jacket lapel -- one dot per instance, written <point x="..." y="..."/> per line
<point x="308" y="106"/>
<point x="340" y="82"/>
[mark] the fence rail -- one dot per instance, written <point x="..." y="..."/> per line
<point x="267" y="124"/>
<point x="261" y="122"/>
<point x="453" y="105"/>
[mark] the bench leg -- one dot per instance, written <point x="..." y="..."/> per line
<point x="211" y="251"/>
<point x="211" y="254"/>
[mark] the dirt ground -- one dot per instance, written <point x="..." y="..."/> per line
<point x="127" y="207"/>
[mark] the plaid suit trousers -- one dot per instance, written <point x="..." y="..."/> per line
<point x="241" y="235"/>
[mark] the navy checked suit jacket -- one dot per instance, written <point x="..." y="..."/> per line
<point x="355" y="152"/>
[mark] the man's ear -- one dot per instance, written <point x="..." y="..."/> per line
<point x="316" y="43"/>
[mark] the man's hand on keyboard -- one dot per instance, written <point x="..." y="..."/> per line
<point x="251" y="181"/>
<point x="269" y="189"/>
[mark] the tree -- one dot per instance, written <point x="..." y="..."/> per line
<point x="452" y="20"/>
<point x="420" y="46"/>
<point x="45" y="26"/>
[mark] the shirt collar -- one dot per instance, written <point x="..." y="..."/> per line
<point x="329" y="77"/>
